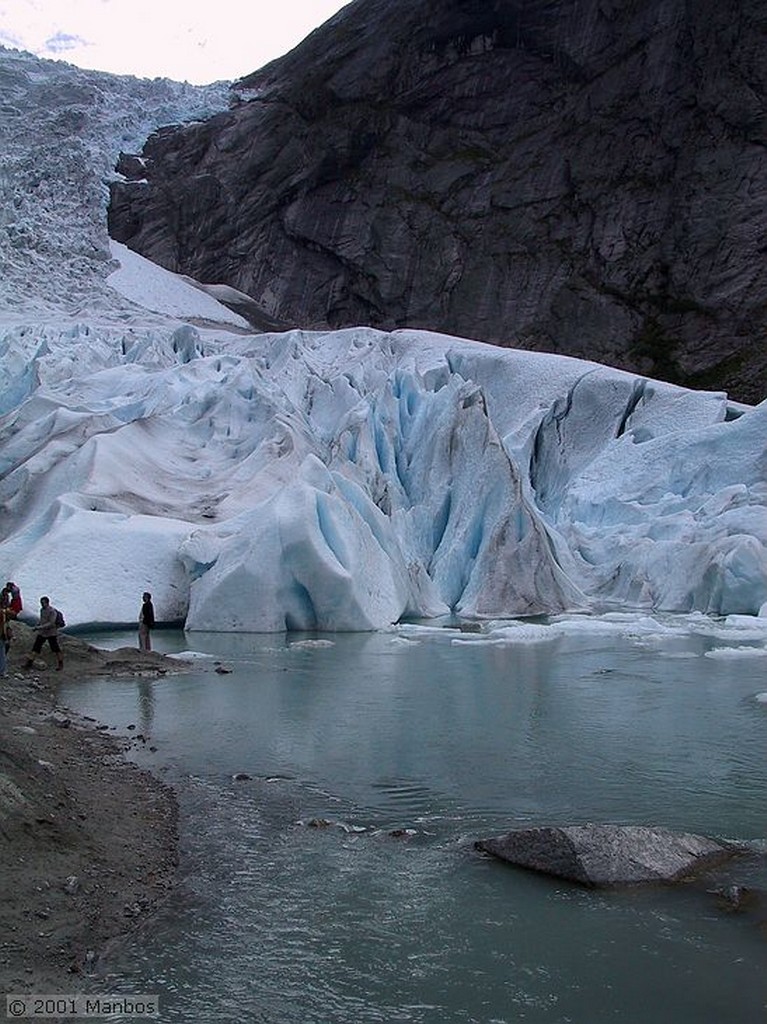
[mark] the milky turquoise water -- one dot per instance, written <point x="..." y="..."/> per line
<point x="453" y="739"/>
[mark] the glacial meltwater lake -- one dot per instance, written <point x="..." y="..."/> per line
<point x="452" y="736"/>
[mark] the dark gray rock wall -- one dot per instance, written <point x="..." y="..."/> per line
<point x="579" y="176"/>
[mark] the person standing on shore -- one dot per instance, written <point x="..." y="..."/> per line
<point x="145" y="622"/>
<point x="47" y="629"/>
<point x="10" y="600"/>
<point x="5" y="642"/>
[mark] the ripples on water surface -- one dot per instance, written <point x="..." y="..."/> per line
<point x="455" y="737"/>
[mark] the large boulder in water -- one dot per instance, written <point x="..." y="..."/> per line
<point x="609" y="855"/>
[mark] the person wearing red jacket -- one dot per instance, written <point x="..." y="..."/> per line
<point x="10" y="600"/>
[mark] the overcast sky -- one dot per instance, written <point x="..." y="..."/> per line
<point x="197" y="41"/>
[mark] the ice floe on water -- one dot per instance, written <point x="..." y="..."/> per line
<point x="191" y="656"/>
<point x="307" y="645"/>
<point x="736" y="652"/>
<point x="635" y="628"/>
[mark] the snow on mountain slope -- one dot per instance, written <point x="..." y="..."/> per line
<point x="335" y="480"/>
<point x="168" y="294"/>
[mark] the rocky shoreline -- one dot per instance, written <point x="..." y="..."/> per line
<point x="89" y="841"/>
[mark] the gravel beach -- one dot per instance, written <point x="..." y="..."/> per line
<point x="88" y="841"/>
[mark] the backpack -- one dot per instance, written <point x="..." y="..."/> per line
<point x="60" y="623"/>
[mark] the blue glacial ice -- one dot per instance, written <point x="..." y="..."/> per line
<point x="345" y="480"/>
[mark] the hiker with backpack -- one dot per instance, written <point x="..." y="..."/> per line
<point x="51" y="621"/>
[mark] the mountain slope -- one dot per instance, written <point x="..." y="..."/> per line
<point x="61" y="130"/>
<point x="575" y="176"/>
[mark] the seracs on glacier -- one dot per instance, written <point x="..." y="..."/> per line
<point x="343" y="480"/>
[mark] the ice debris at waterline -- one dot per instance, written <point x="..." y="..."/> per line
<point x="343" y="480"/>
<point x="609" y="855"/>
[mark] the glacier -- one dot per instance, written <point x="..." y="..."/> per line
<point x="346" y="480"/>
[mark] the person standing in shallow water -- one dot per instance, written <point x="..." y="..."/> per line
<point x="47" y="629"/>
<point x="145" y="623"/>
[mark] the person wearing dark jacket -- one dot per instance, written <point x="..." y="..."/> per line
<point x="145" y="623"/>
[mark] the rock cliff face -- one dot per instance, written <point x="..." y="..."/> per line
<point x="586" y="177"/>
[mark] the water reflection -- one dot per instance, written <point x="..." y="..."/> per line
<point x="145" y="705"/>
